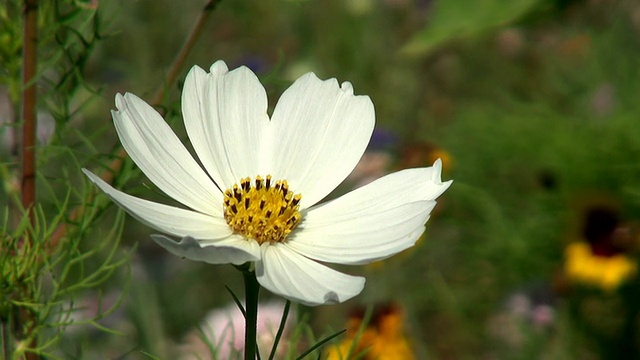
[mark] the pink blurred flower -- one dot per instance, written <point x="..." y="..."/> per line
<point x="224" y="331"/>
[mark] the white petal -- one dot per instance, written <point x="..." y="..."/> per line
<point x="167" y="219"/>
<point x="158" y="152"/>
<point x="363" y="239"/>
<point x="319" y="132"/>
<point x="387" y="192"/>
<point x="232" y="250"/>
<point x="225" y="115"/>
<point x="373" y="222"/>
<point x="283" y="271"/>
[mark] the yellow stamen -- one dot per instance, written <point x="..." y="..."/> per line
<point x="265" y="212"/>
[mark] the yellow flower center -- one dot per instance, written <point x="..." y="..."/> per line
<point x="265" y="212"/>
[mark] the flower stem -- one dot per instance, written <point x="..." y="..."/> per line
<point x="251" y="290"/>
<point x="28" y="151"/>
<point x="28" y="145"/>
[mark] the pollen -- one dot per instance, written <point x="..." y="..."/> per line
<point x="265" y="211"/>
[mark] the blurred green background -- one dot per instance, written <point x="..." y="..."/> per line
<point x="532" y="103"/>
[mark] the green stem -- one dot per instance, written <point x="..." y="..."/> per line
<point x="251" y="290"/>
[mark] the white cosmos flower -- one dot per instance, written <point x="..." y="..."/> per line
<point x="283" y="167"/>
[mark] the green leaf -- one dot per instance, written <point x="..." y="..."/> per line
<point x="320" y="343"/>
<point x="455" y="20"/>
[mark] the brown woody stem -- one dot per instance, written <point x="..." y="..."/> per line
<point x="29" y="123"/>
<point x="28" y="148"/>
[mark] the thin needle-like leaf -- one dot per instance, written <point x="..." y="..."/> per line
<point x="285" y="313"/>
<point x="320" y="343"/>
<point x="237" y="301"/>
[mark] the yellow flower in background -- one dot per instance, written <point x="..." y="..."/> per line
<point x="600" y="257"/>
<point x="382" y="339"/>
<point x="604" y="272"/>
<point x="255" y="194"/>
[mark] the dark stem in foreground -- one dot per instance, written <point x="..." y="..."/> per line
<point x="28" y="144"/>
<point x="251" y="290"/>
<point x="28" y="153"/>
